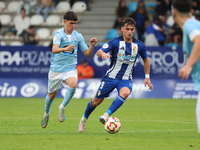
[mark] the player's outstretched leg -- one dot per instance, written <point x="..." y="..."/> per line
<point x="103" y="118"/>
<point x="61" y="109"/>
<point x="45" y="120"/>
<point x="113" y="107"/>
<point x="198" y="113"/>
<point x="89" y="109"/>
<point x="82" y="124"/>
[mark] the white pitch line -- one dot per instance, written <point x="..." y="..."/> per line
<point x="177" y="130"/>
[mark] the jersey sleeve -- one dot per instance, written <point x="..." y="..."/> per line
<point x="142" y="51"/>
<point x="191" y="30"/>
<point x="57" y="38"/>
<point x="107" y="46"/>
<point x="82" y="45"/>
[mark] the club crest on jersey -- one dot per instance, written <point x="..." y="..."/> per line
<point x="134" y="49"/>
<point x="99" y="92"/>
<point x="75" y="39"/>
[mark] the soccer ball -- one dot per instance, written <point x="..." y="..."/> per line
<point x="112" y="125"/>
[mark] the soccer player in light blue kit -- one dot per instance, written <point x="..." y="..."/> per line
<point x="124" y="51"/>
<point x="63" y="64"/>
<point x="182" y="13"/>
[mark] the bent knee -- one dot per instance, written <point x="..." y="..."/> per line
<point x="125" y="94"/>
<point x="96" y="102"/>
<point x="73" y="85"/>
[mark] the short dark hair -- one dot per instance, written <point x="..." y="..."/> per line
<point x="70" y="15"/>
<point x="183" y="6"/>
<point x="31" y="27"/>
<point x="129" y="21"/>
<point x="23" y="9"/>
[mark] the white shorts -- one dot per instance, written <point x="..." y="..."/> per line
<point x="55" y="79"/>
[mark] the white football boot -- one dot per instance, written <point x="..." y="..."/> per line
<point x="61" y="114"/>
<point x="103" y="118"/>
<point x="82" y="124"/>
<point x="45" y="120"/>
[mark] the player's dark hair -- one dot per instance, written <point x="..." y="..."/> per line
<point x="70" y="15"/>
<point x="129" y="21"/>
<point x="23" y="9"/>
<point x="183" y="6"/>
<point x="31" y="27"/>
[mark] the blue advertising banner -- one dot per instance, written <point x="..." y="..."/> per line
<point x="162" y="88"/>
<point x="34" y="62"/>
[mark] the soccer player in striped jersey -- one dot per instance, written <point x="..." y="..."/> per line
<point x="182" y="13"/>
<point x="124" y="51"/>
<point x="63" y="64"/>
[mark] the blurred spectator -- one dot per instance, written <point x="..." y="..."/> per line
<point x="176" y="34"/>
<point x="44" y="6"/>
<point x="29" y="37"/>
<point x="27" y="5"/>
<point x="85" y="70"/>
<point x="197" y="16"/>
<point x="163" y="6"/>
<point x="22" y="23"/>
<point x="196" y="5"/>
<point x="119" y="31"/>
<point x="121" y="13"/>
<point x="140" y="16"/>
<point x="158" y="30"/>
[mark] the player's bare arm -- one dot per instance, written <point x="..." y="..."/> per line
<point x="57" y="49"/>
<point x="147" y="71"/>
<point x="195" y="55"/>
<point x="89" y="51"/>
<point x="100" y="53"/>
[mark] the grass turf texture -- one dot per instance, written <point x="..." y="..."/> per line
<point x="147" y="124"/>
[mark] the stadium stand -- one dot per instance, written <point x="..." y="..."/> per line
<point x="93" y="23"/>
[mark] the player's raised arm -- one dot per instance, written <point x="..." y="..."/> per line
<point x="100" y="53"/>
<point x="89" y="51"/>
<point x="147" y="71"/>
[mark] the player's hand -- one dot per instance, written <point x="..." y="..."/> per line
<point x="69" y="48"/>
<point x="93" y="41"/>
<point x="106" y="56"/>
<point x="185" y="72"/>
<point x="148" y="82"/>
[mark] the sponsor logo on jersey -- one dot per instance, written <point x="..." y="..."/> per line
<point x="125" y="57"/>
<point x="122" y="48"/>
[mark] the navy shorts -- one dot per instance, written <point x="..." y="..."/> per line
<point x="109" y="84"/>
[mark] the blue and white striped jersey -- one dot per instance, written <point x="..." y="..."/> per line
<point x="191" y="28"/>
<point x="65" y="62"/>
<point x="123" y="58"/>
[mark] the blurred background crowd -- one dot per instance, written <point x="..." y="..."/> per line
<point x="34" y="22"/>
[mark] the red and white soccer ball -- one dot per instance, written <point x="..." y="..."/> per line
<point x="112" y="125"/>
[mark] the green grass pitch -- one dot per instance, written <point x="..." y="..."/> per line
<point x="147" y="124"/>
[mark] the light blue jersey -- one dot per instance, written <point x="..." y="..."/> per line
<point x="191" y="28"/>
<point x="65" y="62"/>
